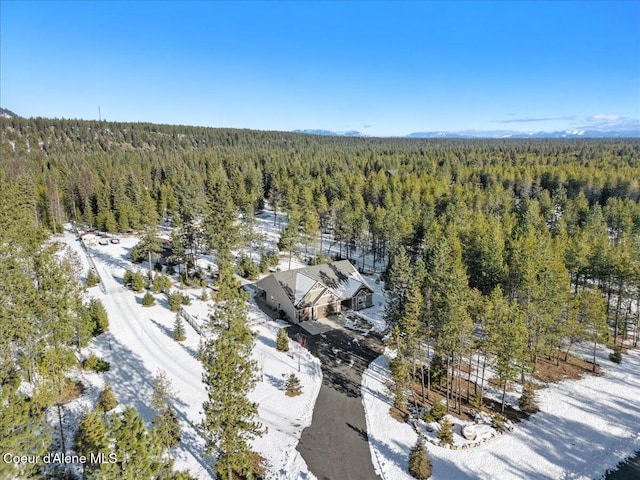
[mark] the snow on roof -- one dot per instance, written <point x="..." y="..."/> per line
<point x="303" y="285"/>
<point x="339" y="277"/>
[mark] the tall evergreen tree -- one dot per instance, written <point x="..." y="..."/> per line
<point x="506" y="339"/>
<point x="229" y="376"/>
<point x="138" y="452"/>
<point x="165" y="425"/>
<point x="92" y="439"/>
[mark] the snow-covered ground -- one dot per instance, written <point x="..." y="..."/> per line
<point x="139" y="344"/>
<point x="584" y="428"/>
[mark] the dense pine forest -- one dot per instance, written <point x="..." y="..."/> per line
<point x="516" y="249"/>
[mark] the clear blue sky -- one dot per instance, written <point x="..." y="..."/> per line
<point x="382" y="68"/>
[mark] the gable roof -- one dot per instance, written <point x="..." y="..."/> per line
<point x="341" y="278"/>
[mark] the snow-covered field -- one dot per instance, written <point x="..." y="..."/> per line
<point x="139" y="344"/>
<point x="584" y="428"/>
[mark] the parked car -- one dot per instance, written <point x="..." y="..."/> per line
<point x="103" y="241"/>
<point x="115" y="240"/>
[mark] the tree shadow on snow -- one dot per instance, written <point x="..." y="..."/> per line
<point x="169" y="333"/>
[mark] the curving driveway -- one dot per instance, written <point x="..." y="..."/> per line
<point x="335" y="446"/>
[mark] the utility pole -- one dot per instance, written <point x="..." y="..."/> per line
<point x="99" y="114"/>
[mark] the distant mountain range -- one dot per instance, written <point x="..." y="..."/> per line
<point x="514" y="134"/>
<point x="329" y="133"/>
<point x="4" y="113"/>
<point x="494" y="134"/>
<point x="633" y="133"/>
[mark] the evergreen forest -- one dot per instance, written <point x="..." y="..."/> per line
<point x="516" y="249"/>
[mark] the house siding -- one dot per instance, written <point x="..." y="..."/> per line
<point x="276" y="298"/>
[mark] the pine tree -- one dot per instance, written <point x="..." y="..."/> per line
<point x="98" y="316"/>
<point x="506" y="339"/>
<point x="148" y="300"/>
<point x="499" y="422"/>
<point x="137" y="282"/>
<point x="23" y="428"/>
<point x="436" y="412"/>
<point x="445" y="434"/>
<point x="175" y="301"/>
<point x="92" y="278"/>
<point x="282" y="341"/>
<point x="92" y="438"/>
<point x="527" y="401"/>
<point x="229" y="376"/>
<point x="290" y="234"/>
<point x="204" y="297"/>
<point x="179" y="333"/>
<point x="138" y="453"/>
<point x="419" y="461"/>
<point x="107" y="399"/>
<point x="161" y="283"/>
<point x="165" y="425"/>
<point x="293" y="386"/>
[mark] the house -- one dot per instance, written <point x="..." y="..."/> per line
<point x="316" y="292"/>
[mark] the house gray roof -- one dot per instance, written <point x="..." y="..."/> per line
<point x="339" y="277"/>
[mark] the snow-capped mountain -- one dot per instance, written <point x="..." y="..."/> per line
<point x="515" y="134"/>
<point x="350" y="133"/>
<point x="4" y="113"/>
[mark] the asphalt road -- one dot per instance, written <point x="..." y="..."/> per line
<point x="628" y="471"/>
<point x="335" y="446"/>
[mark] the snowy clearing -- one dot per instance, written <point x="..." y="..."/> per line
<point x="139" y="344"/>
<point x="584" y="428"/>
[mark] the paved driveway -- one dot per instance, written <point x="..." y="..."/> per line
<point x="335" y="446"/>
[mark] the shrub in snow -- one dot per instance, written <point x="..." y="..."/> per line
<point x="293" y="386"/>
<point x="107" y="399"/>
<point x="179" y="333"/>
<point x="175" y="300"/>
<point x="92" y="278"/>
<point x="419" y="461"/>
<point x="137" y="282"/>
<point x="282" y="342"/>
<point x="445" y="434"/>
<point x="94" y="363"/>
<point x="616" y="356"/>
<point x="148" y="300"/>
<point x="128" y="277"/>
<point x="204" y="296"/>
<point x="161" y="283"/>
<point x="527" y="401"/>
<point x="436" y="412"/>
<point x="499" y="423"/>
<point x="185" y="300"/>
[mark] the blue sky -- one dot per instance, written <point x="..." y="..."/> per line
<point x="382" y="68"/>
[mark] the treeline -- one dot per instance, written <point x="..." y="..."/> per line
<point x="44" y="322"/>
